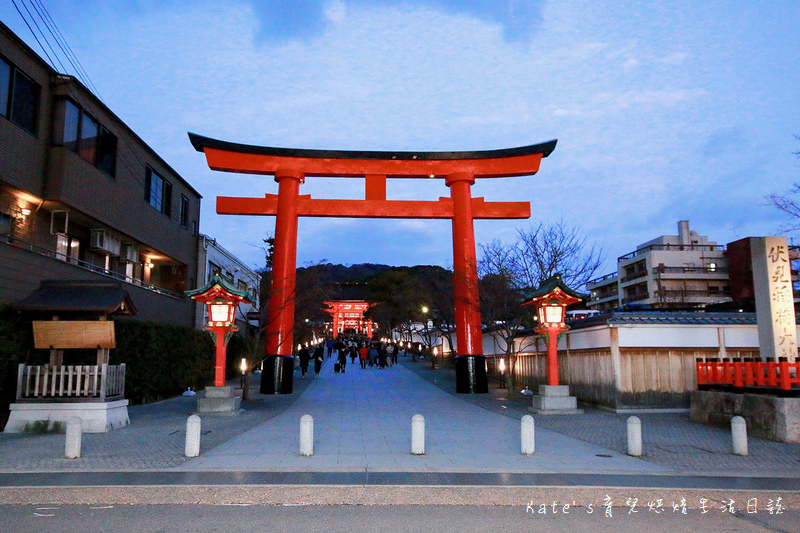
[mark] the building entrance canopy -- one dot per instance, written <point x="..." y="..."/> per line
<point x="291" y="167"/>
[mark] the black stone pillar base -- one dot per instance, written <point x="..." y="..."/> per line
<point x="276" y="378"/>
<point x="471" y="374"/>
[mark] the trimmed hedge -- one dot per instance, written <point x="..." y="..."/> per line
<point x="162" y="360"/>
<point x="16" y="346"/>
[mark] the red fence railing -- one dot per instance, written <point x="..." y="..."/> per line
<point x="781" y="375"/>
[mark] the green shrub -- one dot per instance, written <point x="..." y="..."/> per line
<point x="162" y="360"/>
<point x="16" y="346"/>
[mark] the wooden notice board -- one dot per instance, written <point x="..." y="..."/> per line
<point x="68" y="334"/>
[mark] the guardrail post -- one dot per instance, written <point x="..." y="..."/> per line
<point x="20" y="379"/>
<point x="418" y="435"/>
<point x="783" y="368"/>
<point x="739" y="435"/>
<point x="72" y="447"/>
<point x="634" y="436"/>
<point x="528" y="444"/>
<point x="306" y="435"/>
<point x="192" y="448"/>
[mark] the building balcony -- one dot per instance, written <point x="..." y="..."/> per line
<point x="8" y="240"/>
<point x="672" y="248"/>
<point x="691" y="272"/>
<point x="603" y="280"/>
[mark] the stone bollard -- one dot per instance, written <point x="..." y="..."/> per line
<point x="72" y="448"/>
<point x="526" y="435"/>
<point x="634" y="436"/>
<point x="418" y="435"/>
<point x="306" y="435"/>
<point x="739" y="434"/>
<point x="192" y="448"/>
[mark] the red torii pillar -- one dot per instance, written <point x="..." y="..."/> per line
<point x="290" y="168"/>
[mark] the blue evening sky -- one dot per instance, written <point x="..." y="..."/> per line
<point x="663" y="110"/>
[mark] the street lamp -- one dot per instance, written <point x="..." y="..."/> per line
<point x="551" y="300"/>
<point x="243" y="367"/>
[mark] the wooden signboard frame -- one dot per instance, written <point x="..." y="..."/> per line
<point x="72" y="334"/>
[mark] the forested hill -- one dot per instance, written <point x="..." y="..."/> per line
<point x="328" y="273"/>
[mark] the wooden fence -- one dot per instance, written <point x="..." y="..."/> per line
<point x="71" y="383"/>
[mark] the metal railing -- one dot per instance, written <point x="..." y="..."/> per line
<point x="71" y="383"/>
<point x="689" y="270"/>
<point x="607" y="277"/>
<point x="45" y="252"/>
<point x="781" y="375"/>
<point x="672" y="247"/>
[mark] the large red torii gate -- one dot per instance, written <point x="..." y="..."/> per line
<point x="291" y="167"/>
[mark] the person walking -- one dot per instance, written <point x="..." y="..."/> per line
<point x="304" y="356"/>
<point x="362" y="355"/>
<point x="342" y="360"/>
<point x="353" y="352"/>
<point x="381" y="355"/>
<point x="329" y="345"/>
<point x="319" y="356"/>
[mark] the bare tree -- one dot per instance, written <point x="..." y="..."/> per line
<point x="788" y="203"/>
<point x="549" y="249"/>
<point x="509" y="271"/>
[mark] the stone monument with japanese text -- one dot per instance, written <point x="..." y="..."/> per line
<point x="772" y="282"/>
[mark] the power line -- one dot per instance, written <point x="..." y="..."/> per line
<point x="65" y="48"/>
<point x="49" y="59"/>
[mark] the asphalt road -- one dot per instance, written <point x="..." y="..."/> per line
<point x="379" y="519"/>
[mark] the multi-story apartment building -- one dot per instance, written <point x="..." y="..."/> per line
<point x="672" y="271"/>
<point x="213" y="259"/>
<point x="82" y="197"/>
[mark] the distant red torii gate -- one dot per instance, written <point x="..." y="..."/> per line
<point x="291" y="167"/>
<point x="349" y="314"/>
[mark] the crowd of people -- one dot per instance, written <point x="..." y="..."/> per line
<point x="370" y="353"/>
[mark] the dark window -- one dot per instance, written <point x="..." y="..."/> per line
<point x="158" y="192"/>
<point x="72" y="121"/>
<point x="24" y="102"/>
<point x="87" y="146"/>
<point x="83" y="135"/>
<point x="184" y="211"/>
<point x="107" y="152"/>
<point x="19" y="97"/>
<point x="5" y="87"/>
<point x="6" y="223"/>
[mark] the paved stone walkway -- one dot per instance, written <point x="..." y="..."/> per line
<point x="669" y="439"/>
<point x="363" y="420"/>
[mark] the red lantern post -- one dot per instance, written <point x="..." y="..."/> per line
<point x="551" y="300"/>
<point x="221" y="300"/>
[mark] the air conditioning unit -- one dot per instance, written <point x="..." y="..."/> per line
<point x="129" y="253"/>
<point x="105" y="242"/>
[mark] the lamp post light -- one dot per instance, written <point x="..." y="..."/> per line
<point x="502" y="368"/>
<point x="551" y="300"/>
<point x="243" y="367"/>
<point x="221" y="299"/>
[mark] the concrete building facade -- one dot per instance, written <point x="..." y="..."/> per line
<point x="686" y="270"/>
<point x="82" y="197"/>
<point x="214" y="259"/>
